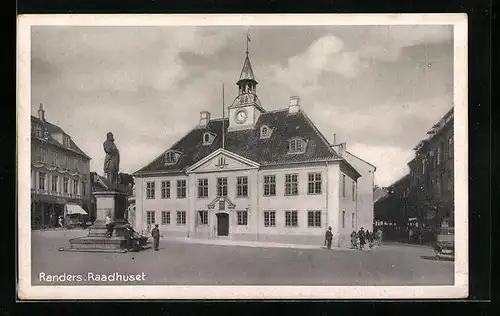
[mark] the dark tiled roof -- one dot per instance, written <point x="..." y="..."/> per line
<point x="247" y="143"/>
<point x="54" y="129"/>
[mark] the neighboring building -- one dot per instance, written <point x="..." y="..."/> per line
<point x="257" y="175"/>
<point x="431" y="174"/>
<point x="424" y="197"/>
<point x="59" y="173"/>
<point x="364" y="190"/>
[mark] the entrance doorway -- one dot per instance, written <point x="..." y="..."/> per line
<point x="222" y="224"/>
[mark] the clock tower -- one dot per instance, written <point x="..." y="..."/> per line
<point x="246" y="107"/>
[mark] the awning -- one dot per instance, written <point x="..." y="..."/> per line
<point x="74" y="209"/>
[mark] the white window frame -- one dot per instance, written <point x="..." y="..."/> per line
<point x="270" y="218"/>
<point x="222" y="187"/>
<point x="53" y="183"/>
<point x="65" y="185"/>
<point x="202" y="218"/>
<point x="313" y="183"/>
<point x="150" y="190"/>
<point x="41" y="180"/>
<point x="242" y="186"/>
<point x="242" y="218"/>
<point x="202" y="188"/>
<point x="269" y="183"/>
<point x="181" y="189"/>
<point x="312" y="218"/>
<point x="165" y="189"/>
<point x="165" y="217"/>
<point x="290" y="215"/>
<point x="296" y="146"/>
<point x="291" y="184"/>
<point x="150" y="217"/>
<point x="180" y="218"/>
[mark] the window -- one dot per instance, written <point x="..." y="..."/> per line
<point x="314" y="183"/>
<point x="270" y="218"/>
<point x="270" y="185"/>
<point x="221" y="186"/>
<point x="64" y="162"/>
<point x="222" y="205"/>
<point x="65" y="185"/>
<point x="242" y="186"/>
<point x="296" y="146"/>
<point x="181" y="189"/>
<point x="354" y="191"/>
<point x="242" y="217"/>
<point x="206" y="138"/>
<point x="76" y="164"/>
<point x="291" y="219"/>
<point x="438" y="186"/>
<point x="450" y="147"/>
<point x="42" y="154"/>
<point x="54" y="183"/>
<point x="438" y="156"/>
<point x="150" y="217"/>
<point x="181" y="217"/>
<point x="165" y="189"/>
<point x="170" y="157"/>
<point x="202" y="217"/>
<point x="353" y="220"/>
<point x="150" y="190"/>
<point x="75" y="187"/>
<point x="265" y="132"/>
<point x="202" y="188"/>
<point x="165" y="218"/>
<point x="84" y="189"/>
<point x="291" y="184"/>
<point x="423" y="166"/>
<point x="41" y="180"/>
<point x="343" y="219"/>
<point x="66" y="141"/>
<point x="54" y="157"/>
<point x="38" y="130"/>
<point x="314" y="219"/>
<point x="343" y="185"/>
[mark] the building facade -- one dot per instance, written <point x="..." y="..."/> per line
<point x="424" y="198"/>
<point x="60" y="173"/>
<point x="256" y="175"/>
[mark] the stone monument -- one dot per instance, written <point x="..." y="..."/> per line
<point x="110" y="202"/>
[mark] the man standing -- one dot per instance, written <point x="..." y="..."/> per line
<point x="328" y="238"/>
<point x="379" y="237"/>
<point x="156" y="237"/>
<point x="110" y="225"/>
<point x="362" y="238"/>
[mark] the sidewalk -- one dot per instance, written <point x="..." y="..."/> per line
<point x="257" y="244"/>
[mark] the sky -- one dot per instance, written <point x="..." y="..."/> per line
<point x="377" y="88"/>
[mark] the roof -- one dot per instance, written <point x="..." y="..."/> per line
<point x="247" y="143"/>
<point x="54" y="129"/>
<point x="246" y="71"/>
<point x="361" y="159"/>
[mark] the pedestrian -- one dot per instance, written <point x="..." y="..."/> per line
<point x="110" y="225"/>
<point x="61" y="222"/>
<point x="379" y="237"/>
<point x="362" y="238"/>
<point x="369" y="239"/>
<point x="354" y="240"/>
<point x="156" y="237"/>
<point x="328" y="238"/>
<point x="131" y="240"/>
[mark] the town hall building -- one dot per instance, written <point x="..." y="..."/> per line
<point x="257" y="175"/>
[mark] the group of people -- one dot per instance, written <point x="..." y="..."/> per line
<point x="362" y="237"/>
<point x="132" y="237"/>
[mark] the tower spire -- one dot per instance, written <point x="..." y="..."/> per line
<point x="248" y="41"/>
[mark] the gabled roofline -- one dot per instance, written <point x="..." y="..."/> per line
<point x="361" y="159"/>
<point x="228" y="153"/>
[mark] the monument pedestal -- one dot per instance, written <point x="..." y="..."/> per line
<point x="114" y="204"/>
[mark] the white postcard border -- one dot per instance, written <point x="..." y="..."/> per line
<point x="458" y="290"/>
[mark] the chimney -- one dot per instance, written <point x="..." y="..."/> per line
<point x="334" y="139"/>
<point x="294" y="106"/>
<point x="204" y="119"/>
<point x="41" y="113"/>
<point x="340" y="148"/>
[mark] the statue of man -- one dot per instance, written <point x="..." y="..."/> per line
<point x="112" y="160"/>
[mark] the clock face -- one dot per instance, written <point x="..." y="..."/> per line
<point x="241" y="116"/>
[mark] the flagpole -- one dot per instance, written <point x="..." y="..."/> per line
<point x="223" y="119"/>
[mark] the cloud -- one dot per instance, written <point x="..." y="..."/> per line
<point x="389" y="160"/>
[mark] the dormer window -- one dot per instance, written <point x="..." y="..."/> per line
<point x="66" y="141"/>
<point x="38" y="130"/>
<point x="208" y="138"/>
<point x="296" y="146"/>
<point x="265" y="132"/>
<point x="171" y="157"/>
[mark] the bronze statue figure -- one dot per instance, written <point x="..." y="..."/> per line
<point x="111" y="161"/>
